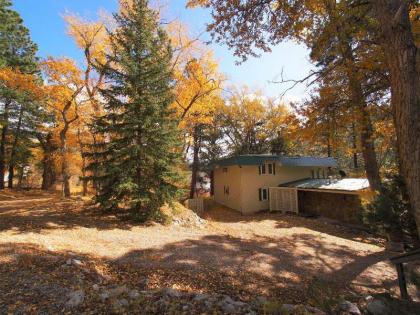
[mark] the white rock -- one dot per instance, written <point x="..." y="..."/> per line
<point x="75" y="298"/>
<point x="95" y="287"/>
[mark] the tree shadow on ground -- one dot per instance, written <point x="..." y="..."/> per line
<point x="285" y="269"/>
<point x="34" y="212"/>
<point x="222" y="214"/>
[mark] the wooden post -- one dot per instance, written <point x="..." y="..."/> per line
<point x="401" y="282"/>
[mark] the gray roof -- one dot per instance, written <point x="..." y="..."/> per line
<point x="257" y="159"/>
<point x="344" y="184"/>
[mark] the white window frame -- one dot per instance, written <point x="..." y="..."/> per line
<point x="265" y="166"/>
<point x="226" y="190"/>
<point x="261" y="194"/>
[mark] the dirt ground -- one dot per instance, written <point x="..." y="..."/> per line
<point x="278" y="256"/>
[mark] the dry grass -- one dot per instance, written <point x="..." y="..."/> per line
<point x="265" y="254"/>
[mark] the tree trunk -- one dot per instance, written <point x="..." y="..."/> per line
<point x="84" y="180"/>
<point x="194" y="170"/>
<point x="49" y="174"/>
<point x="20" y="178"/>
<point x="64" y="163"/>
<point x="354" y="145"/>
<point x="211" y="183"/>
<point x="403" y="59"/>
<point x="329" y="148"/>
<point x="3" y="142"/>
<point x="12" y="161"/>
<point x="364" y="121"/>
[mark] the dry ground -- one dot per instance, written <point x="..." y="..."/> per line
<point x="273" y="255"/>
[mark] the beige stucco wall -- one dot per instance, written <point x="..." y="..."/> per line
<point x="245" y="181"/>
<point x="232" y="179"/>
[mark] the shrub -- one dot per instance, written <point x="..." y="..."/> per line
<point x="388" y="213"/>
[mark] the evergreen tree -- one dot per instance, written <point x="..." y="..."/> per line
<point x="16" y="48"/>
<point x="137" y="160"/>
<point x="17" y="52"/>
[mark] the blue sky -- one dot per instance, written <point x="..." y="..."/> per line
<point x="44" y="20"/>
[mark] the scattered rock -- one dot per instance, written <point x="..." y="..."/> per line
<point x="123" y="302"/>
<point x="349" y="308"/>
<point x="115" y="292"/>
<point x="378" y="307"/>
<point x="261" y="300"/>
<point x="104" y="296"/>
<point x="95" y="287"/>
<point x="314" y="310"/>
<point x="228" y="308"/>
<point x="74" y="262"/>
<point x="171" y="292"/>
<point x="133" y="294"/>
<point x="287" y="308"/>
<point x="76" y="298"/>
<point x="200" y="297"/>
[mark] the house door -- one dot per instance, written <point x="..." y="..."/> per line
<point x="283" y="199"/>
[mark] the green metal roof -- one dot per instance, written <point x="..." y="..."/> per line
<point x="258" y="159"/>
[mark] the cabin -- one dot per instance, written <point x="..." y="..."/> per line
<point x="256" y="182"/>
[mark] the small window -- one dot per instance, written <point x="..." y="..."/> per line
<point x="225" y="169"/>
<point x="226" y="190"/>
<point x="312" y="174"/>
<point x="263" y="194"/>
<point x="267" y="168"/>
<point x="323" y="173"/>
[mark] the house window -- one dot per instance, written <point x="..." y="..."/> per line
<point x="226" y="190"/>
<point x="224" y="170"/>
<point x="263" y="194"/>
<point x="312" y="174"/>
<point x="267" y="168"/>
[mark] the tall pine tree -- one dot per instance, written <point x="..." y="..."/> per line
<point x="138" y="159"/>
<point x="17" y="52"/>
